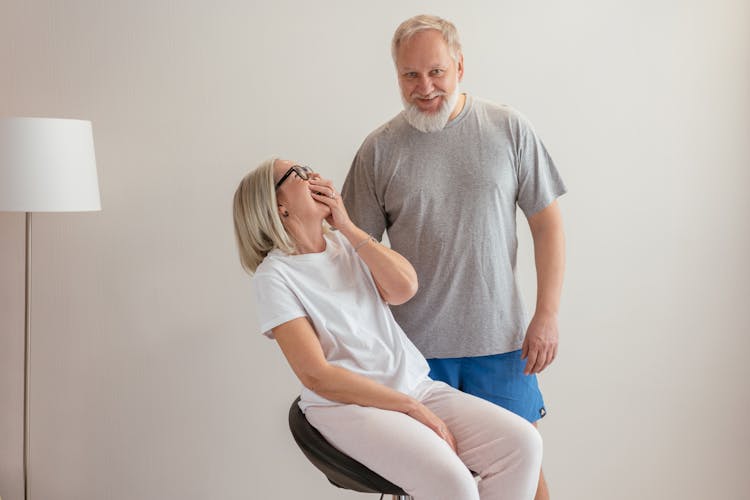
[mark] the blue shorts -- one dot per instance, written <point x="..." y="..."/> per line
<point x="498" y="378"/>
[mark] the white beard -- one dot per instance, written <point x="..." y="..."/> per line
<point x="431" y="122"/>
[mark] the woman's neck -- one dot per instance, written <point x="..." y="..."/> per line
<point x="307" y="238"/>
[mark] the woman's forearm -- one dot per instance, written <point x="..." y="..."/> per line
<point x="301" y="347"/>
<point x="394" y="275"/>
<point x="344" y="386"/>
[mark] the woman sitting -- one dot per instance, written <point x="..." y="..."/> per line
<point x="324" y="295"/>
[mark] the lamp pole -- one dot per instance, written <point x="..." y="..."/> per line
<point x="46" y="165"/>
<point x="26" y="359"/>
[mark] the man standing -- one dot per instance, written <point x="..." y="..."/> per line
<point x="444" y="178"/>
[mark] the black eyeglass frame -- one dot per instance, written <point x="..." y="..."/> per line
<point x="302" y="171"/>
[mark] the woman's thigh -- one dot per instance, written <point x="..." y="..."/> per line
<point x="503" y="448"/>
<point x="397" y="447"/>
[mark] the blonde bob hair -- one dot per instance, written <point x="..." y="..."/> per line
<point x="257" y="225"/>
<point x="415" y="24"/>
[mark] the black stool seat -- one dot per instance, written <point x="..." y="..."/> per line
<point x="340" y="469"/>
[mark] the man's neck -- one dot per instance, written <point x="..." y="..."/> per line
<point x="458" y="107"/>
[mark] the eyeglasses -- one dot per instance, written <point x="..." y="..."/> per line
<point x="303" y="172"/>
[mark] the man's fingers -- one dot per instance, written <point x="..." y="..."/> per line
<point x="545" y="358"/>
<point x="551" y="356"/>
<point x="543" y="355"/>
<point x="542" y="360"/>
<point x="531" y="360"/>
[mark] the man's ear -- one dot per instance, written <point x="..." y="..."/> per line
<point x="460" y="66"/>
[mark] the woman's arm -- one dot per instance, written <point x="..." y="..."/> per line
<point x="394" y="276"/>
<point x="302" y="350"/>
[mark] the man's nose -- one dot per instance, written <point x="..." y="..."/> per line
<point x="424" y="85"/>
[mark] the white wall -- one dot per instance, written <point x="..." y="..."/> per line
<point x="149" y="379"/>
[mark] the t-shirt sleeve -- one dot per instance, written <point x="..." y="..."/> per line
<point x="539" y="182"/>
<point x="277" y="303"/>
<point x="363" y="203"/>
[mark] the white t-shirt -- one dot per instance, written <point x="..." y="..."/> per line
<point x="356" y="329"/>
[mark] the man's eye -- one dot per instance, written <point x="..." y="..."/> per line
<point x="437" y="72"/>
<point x="411" y="74"/>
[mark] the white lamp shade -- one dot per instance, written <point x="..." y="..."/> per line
<point x="47" y="165"/>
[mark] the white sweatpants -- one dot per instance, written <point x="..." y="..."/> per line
<point x="501" y="447"/>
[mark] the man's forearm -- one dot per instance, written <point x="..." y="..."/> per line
<point x="549" y="255"/>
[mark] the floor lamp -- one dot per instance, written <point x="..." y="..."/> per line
<point x="46" y="165"/>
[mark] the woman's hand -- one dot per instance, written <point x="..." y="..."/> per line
<point x="424" y="415"/>
<point x="394" y="276"/>
<point x="322" y="191"/>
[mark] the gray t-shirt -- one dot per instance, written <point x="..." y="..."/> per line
<point x="448" y="200"/>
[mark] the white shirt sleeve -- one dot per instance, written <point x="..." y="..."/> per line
<point x="277" y="303"/>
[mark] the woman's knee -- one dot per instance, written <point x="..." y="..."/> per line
<point x="530" y="444"/>
<point x="520" y="445"/>
<point x="449" y="483"/>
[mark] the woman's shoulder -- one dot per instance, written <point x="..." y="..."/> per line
<point x="271" y="266"/>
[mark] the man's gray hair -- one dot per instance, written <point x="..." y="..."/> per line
<point x="414" y="25"/>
